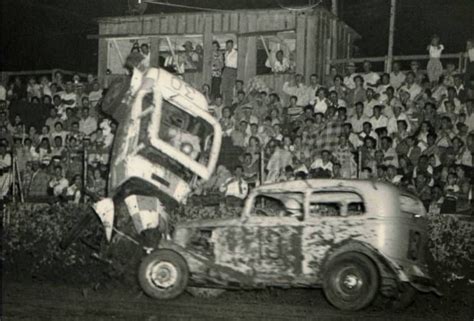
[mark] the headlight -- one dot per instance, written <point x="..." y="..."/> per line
<point x="187" y="148"/>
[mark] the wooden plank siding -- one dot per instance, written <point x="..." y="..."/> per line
<point x="310" y="63"/>
<point x="300" y="43"/>
<point x="313" y="30"/>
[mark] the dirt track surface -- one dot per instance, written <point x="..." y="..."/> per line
<point x="58" y="302"/>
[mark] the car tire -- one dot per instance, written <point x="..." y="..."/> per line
<point x="163" y="274"/>
<point x="351" y="281"/>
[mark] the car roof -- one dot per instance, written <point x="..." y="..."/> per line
<point x="338" y="184"/>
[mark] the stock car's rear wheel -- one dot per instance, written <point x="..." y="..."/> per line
<point x="163" y="274"/>
<point x="351" y="281"/>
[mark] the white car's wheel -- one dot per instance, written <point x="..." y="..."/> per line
<point x="163" y="274"/>
<point x="351" y="281"/>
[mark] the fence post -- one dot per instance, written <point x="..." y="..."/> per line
<point x="84" y="175"/>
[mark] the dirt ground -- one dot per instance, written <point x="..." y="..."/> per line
<point x="38" y="300"/>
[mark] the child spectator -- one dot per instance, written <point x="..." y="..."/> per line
<point x="434" y="67"/>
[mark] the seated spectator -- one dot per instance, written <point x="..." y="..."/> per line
<point x="87" y="123"/>
<point x="322" y="166"/>
<point x="371" y="78"/>
<point x="69" y="98"/>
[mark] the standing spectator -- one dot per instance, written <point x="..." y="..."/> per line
<point x="235" y="188"/>
<point x="279" y="159"/>
<point x="434" y="67"/>
<point x="95" y="94"/>
<point x="217" y="63"/>
<point x="229" y="74"/>
<point x="5" y="171"/>
<point x="311" y="91"/>
<point x="469" y="75"/>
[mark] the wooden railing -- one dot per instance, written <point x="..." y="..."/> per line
<point x="459" y="57"/>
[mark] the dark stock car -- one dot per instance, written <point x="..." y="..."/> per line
<point x="353" y="238"/>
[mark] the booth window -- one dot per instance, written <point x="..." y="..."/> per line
<point x="182" y="54"/>
<point x="276" y="53"/>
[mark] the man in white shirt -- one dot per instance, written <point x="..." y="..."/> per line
<point x="392" y="125"/>
<point x="311" y="90"/>
<point x="68" y="97"/>
<point x="59" y="183"/>
<point x="359" y="118"/>
<point x="229" y="74"/>
<point x="323" y="166"/>
<point x="470" y="114"/>
<point x="3" y="92"/>
<point x="397" y="77"/>
<point x="411" y="87"/>
<point x="370" y="78"/>
<point x="349" y="78"/>
<point x="96" y="94"/>
<point x="378" y="120"/>
<point x="145" y="51"/>
<point x="235" y="186"/>
<point x="278" y="62"/>
<point x="296" y="87"/>
<point x="87" y="124"/>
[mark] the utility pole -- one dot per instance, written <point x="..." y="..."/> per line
<point x="391" y="35"/>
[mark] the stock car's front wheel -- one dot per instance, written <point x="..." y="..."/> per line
<point x="163" y="274"/>
<point x="351" y="281"/>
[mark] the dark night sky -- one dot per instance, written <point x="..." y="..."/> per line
<point x="43" y="34"/>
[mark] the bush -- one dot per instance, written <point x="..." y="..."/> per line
<point x="451" y="250"/>
<point x="32" y="233"/>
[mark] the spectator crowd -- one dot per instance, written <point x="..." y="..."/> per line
<point x="414" y="129"/>
<point x="47" y="159"/>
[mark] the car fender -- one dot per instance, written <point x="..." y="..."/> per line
<point x="387" y="268"/>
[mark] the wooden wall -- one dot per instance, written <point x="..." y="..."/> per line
<point x="314" y="29"/>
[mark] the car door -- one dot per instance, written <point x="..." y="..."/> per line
<point x="331" y="218"/>
<point x="267" y="243"/>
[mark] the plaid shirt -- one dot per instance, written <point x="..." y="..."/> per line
<point x="327" y="137"/>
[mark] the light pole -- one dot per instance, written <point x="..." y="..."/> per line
<point x="391" y="35"/>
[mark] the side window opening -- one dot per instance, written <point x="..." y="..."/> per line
<point x="334" y="204"/>
<point x="278" y="205"/>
